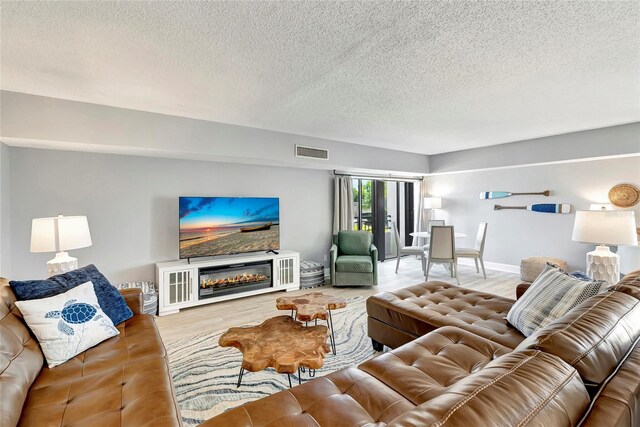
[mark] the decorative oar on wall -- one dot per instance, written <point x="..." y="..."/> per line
<point x="559" y="208"/>
<point x="503" y="194"/>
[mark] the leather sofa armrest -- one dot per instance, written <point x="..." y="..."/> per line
<point x="521" y="289"/>
<point x="133" y="298"/>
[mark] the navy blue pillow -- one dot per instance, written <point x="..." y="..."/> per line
<point x="110" y="300"/>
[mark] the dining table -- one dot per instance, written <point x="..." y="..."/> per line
<point x="426" y="234"/>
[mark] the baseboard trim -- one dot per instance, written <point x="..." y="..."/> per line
<point x="507" y="268"/>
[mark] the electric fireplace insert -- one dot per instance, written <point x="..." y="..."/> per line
<point x="233" y="279"/>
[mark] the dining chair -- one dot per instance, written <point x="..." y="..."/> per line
<point x="430" y="224"/>
<point x="442" y="249"/>
<point x="477" y="252"/>
<point x="406" y="250"/>
<point x="433" y="222"/>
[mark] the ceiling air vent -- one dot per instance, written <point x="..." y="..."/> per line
<point x="312" y="153"/>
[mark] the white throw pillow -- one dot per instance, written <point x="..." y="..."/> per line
<point x="67" y="324"/>
<point x="550" y="297"/>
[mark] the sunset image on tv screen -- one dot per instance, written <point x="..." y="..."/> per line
<point x="228" y="225"/>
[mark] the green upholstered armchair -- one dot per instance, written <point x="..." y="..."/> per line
<point x="354" y="259"/>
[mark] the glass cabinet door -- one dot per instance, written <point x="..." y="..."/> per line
<point x="179" y="287"/>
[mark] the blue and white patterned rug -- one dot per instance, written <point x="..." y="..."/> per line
<point x="205" y="374"/>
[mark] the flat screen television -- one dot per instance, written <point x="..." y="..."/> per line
<point x="212" y="226"/>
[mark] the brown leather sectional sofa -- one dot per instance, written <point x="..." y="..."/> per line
<point x="124" y="381"/>
<point x="457" y="362"/>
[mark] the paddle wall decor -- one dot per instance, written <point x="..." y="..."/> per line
<point x="558" y="208"/>
<point x="502" y="194"/>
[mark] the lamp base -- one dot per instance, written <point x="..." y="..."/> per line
<point x="61" y="264"/>
<point x="602" y="264"/>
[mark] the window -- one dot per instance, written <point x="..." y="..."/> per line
<point x="362" y="205"/>
<point x="377" y="204"/>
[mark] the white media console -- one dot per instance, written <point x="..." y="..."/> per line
<point x="182" y="284"/>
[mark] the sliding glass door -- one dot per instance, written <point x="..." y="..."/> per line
<point x="377" y="206"/>
<point x="362" y="204"/>
<point x="392" y="192"/>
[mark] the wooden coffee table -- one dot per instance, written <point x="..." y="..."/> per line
<point x="313" y="306"/>
<point x="280" y="343"/>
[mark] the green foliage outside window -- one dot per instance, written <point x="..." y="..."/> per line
<point x="366" y="196"/>
<point x="366" y="202"/>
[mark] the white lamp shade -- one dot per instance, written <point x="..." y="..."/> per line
<point x="605" y="227"/>
<point x="59" y="233"/>
<point x="432" y="203"/>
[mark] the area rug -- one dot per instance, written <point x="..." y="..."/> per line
<point x="205" y="374"/>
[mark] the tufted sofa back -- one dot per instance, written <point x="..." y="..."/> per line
<point x="20" y="358"/>
<point x="594" y="337"/>
<point x="630" y="284"/>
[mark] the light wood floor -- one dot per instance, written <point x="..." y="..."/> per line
<point x="255" y="309"/>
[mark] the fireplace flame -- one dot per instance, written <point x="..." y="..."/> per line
<point x="238" y="279"/>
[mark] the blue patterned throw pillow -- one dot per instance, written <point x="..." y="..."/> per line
<point x="110" y="300"/>
<point x="68" y="323"/>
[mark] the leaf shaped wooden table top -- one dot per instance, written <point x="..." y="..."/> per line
<point x="314" y="305"/>
<point x="281" y="343"/>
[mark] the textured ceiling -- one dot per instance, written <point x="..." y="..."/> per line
<point x="425" y="77"/>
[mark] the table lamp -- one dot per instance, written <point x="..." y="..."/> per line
<point x="605" y="228"/>
<point x="60" y="234"/>
<point x="432" y="203"/>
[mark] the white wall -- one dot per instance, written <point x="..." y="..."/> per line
<point x="42" y="122"/>
<point x="132" y="200"/>
<point x="5" y="218"/>
<point x="132" y="205"/>
<point x="514" y="235"/>
<point x="609" y="141"/>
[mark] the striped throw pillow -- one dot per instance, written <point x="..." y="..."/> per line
<point x="549" y="297"/>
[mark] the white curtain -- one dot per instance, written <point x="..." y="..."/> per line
<point x="422" y="217"/>
<point x="343" y="204"/>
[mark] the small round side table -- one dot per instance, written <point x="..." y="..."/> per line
<point x="313" y="306"/>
